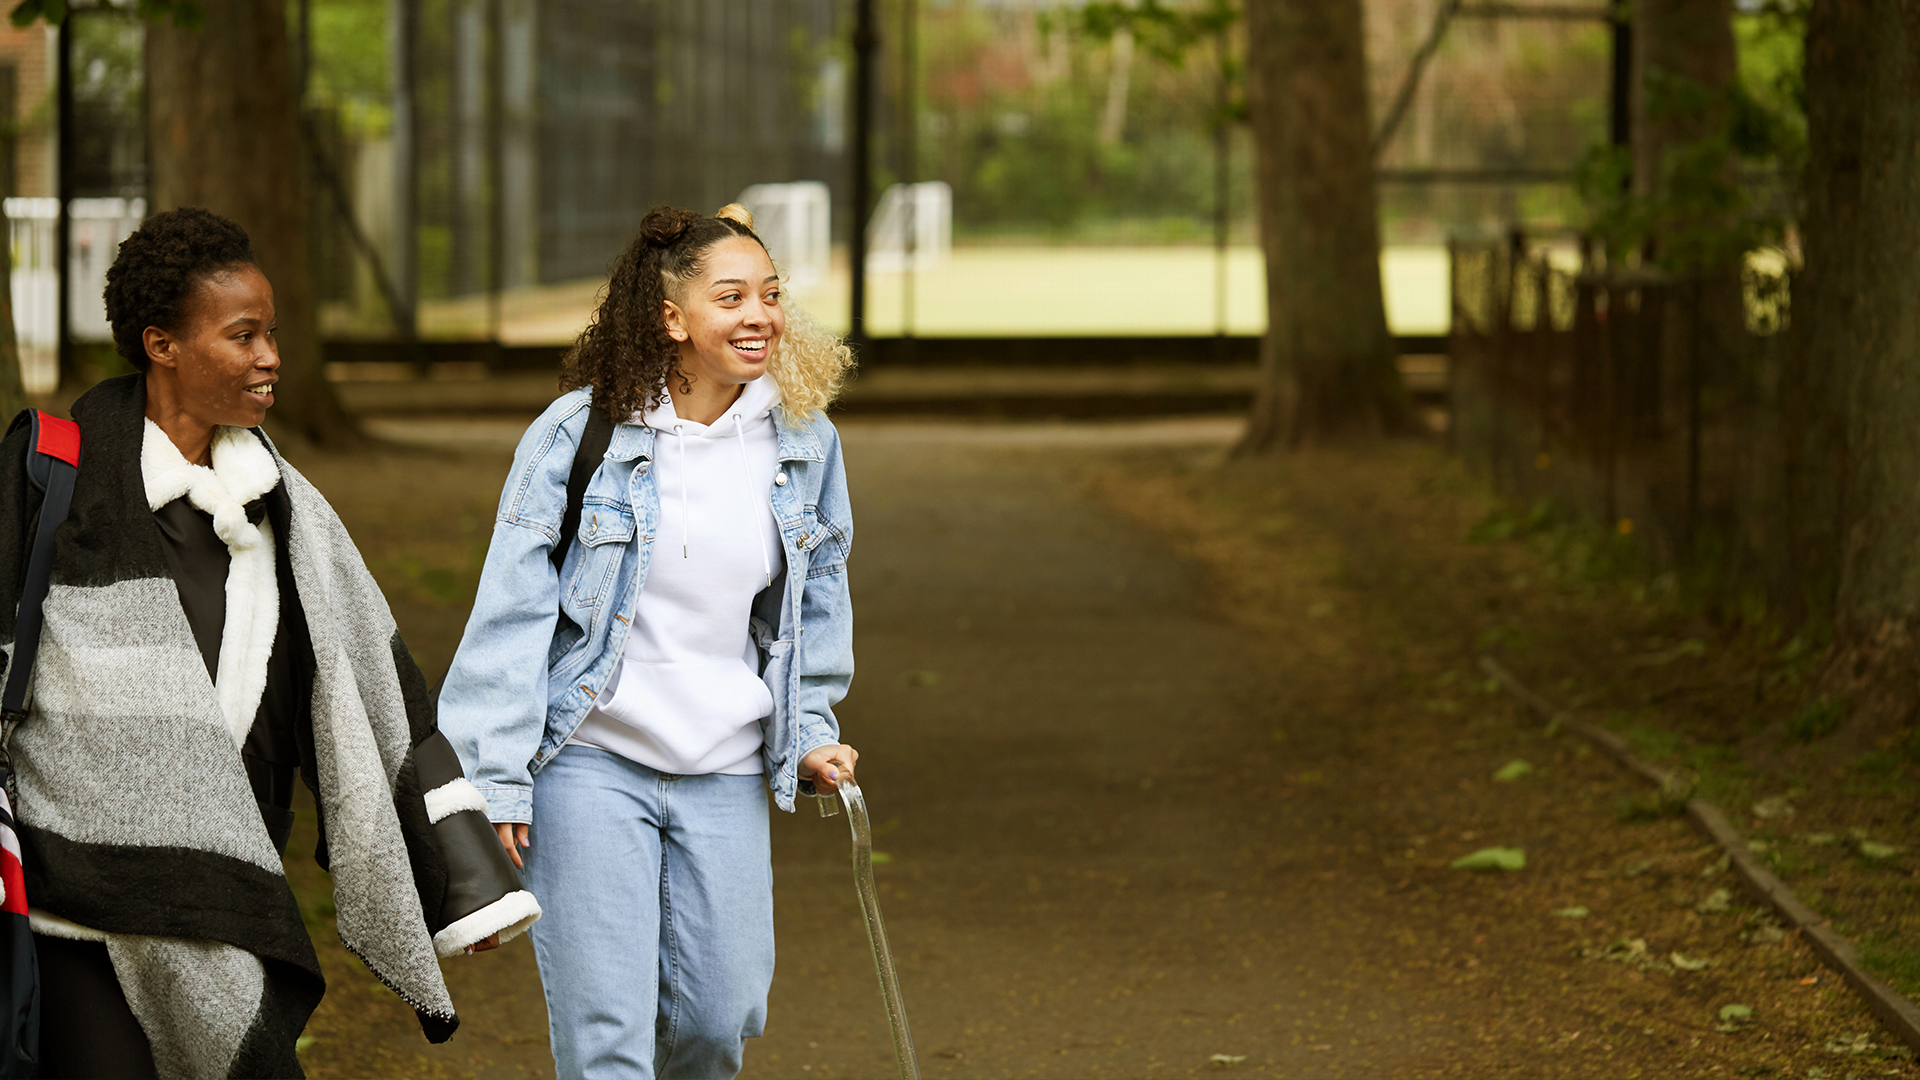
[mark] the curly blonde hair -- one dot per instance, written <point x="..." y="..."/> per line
<point x="810" y="365"/>
<point x="625" y="354"/>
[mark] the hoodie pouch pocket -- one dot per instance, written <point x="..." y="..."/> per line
<point x="605" y="531"/>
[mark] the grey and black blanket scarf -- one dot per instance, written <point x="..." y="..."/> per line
<point x="136" y="816"/>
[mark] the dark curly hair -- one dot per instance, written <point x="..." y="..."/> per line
<point x="624" y="354"/>
<point x="159" y="267"/>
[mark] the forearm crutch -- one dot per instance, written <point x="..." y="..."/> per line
<point x="862" y="827"/>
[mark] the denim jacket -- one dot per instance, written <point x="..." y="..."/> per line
<point x="541" y="645"/>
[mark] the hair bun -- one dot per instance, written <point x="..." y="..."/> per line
<point x="664" y="225"/>
<point x="736" y="213"/>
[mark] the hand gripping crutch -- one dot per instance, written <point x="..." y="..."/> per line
<point x="876" y="933"/>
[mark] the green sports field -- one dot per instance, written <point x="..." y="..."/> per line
<point x="1000" y="290"/>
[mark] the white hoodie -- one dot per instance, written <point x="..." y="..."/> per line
<point x="686" y="696"/>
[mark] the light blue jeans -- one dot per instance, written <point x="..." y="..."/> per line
<point x="636" y="870"/>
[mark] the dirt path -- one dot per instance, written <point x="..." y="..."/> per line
<point x="1140" y="812"/>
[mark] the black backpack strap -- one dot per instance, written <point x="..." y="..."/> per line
<point x="586" y="461"/>
<point x="53" y="463"/>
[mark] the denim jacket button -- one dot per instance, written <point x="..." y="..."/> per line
<point x="780" y="479"/>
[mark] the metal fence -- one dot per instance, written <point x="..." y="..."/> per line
<point x="98" y="226"/>
<point x="1578" y="385"/>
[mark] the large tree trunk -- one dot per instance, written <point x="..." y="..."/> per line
<point x="223" y="123"/>
<point x="1853" y="395"/>
<point x="1685" y="68"/>
<point x="1327" y="362"/>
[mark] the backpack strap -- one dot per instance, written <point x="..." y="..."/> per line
<point x="53" y="463"/>
<point x="586" y="461"/>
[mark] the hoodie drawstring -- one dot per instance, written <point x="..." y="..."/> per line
<point x="753" y="508"/>
<point x="680" y="440"/>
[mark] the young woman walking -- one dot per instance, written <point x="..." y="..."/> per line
<point x="623" y="712"/>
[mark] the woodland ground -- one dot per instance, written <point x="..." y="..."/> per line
<point x="1171" y="755"/>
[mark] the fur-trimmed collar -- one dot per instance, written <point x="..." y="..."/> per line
<point x="243" y="470"/>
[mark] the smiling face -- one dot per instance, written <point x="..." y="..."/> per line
<point x="728" y="321"/>
<point x="219" y="366"/>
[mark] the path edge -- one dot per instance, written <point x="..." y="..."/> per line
<point x="1899" y="1014"/>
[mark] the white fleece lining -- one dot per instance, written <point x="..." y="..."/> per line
<point x="452" y="797"/>
<point x="243" y="470"/>
<point x="510" y="916"/>
<point x="51" y="925"/>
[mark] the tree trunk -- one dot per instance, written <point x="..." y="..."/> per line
<point x="223" y="123"/>
<point x="1327" y="362"/>
<point x="1852" y="396"/>
<point x="1687" y="45"/>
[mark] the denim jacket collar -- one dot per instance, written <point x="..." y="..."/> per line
<point x="631" y="441"/>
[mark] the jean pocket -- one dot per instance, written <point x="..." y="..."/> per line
<point x="605" y="531"/>
<point x="823" y="543"/>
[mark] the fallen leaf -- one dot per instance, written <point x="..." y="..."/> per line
<point x="1821" y="838"/>
<point x="1493" y="858"/>
<point x="1227" y="1059"/>
<point x="1772" y="807"/>
<point x="1874" y="849"/>
<point x="1513" y="770"/>
<point x="1719" y="867"/>
<point x="1850" y="1044"/>
<point x="303" y="1043"/>
<point x="1685" y="963"/>
<point x="1718" y="900"/>
<point x="1736" y="1012"/>
<point x="1574" y="912"/>
<point x="881" y="858"/>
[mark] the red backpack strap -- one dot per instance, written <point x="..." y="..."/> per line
<point x="53" y="464"/>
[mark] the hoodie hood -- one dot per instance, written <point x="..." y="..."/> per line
<point x="756" y="400"/>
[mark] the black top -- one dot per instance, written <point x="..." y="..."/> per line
<point x="199" y="561"/>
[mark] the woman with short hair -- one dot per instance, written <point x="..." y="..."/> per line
<point x="210" y="633"/>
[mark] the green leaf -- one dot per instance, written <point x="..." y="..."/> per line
<point x="302" y="1044"/>
<point x="1513" y="770"/>
<point x="1736" y="1012"/>
<point x="1575" y="912"/>
<point x="1874" y="849"/>
<point x="881" y="858"/>
<point x="25" y="12"/>
<point x="1493" y="858"/>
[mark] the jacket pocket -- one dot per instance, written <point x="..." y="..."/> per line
<point x="824" y="543"/>
<point x="605" y="531"/>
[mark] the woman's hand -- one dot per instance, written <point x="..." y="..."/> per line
<point x="826" y="766"/>
<point x="513" y="837"/>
